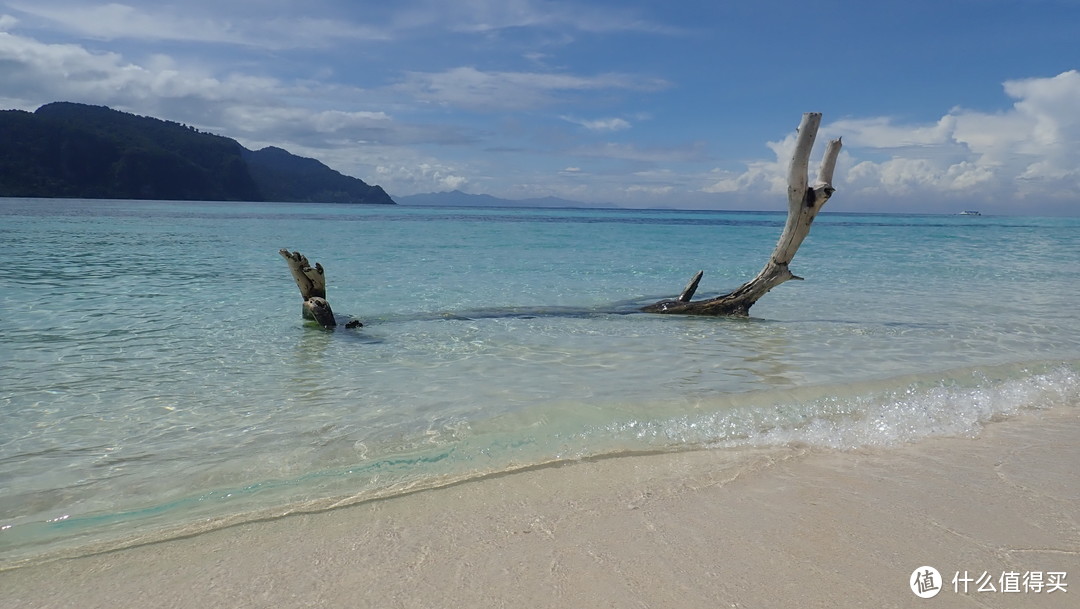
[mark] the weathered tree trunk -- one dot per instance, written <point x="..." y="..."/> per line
<point x="804" y="203"/>
<point x="312" y="284"/>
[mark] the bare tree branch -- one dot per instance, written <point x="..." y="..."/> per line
<point x="804" y="203"/>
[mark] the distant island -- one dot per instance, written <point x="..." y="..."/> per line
<point x="68" y="150"/>
<point x="456" y="198"/>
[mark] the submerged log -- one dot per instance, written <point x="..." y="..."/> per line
<point x="312" y="284"/>
<point x="804" y="203"/>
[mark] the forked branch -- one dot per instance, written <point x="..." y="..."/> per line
<point x="804" y="203"/>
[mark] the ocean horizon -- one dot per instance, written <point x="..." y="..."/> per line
<point x="158" y="380"/>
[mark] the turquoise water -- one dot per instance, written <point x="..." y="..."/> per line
<point x="156" y="378"/>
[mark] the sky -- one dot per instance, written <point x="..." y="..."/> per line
<point x="942" y="105"/>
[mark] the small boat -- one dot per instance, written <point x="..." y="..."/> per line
<point x="969" y="212"/>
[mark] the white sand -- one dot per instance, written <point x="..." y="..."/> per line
<point x="782" y="528"/>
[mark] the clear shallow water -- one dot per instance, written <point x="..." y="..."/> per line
<point x="156" y="377"/>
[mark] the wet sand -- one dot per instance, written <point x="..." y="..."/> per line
<point x="791" y="527"/>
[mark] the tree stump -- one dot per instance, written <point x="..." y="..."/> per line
<point x="804" y="203"/>
<point x="312" y="284"/>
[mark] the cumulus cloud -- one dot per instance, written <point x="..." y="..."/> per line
<point x="904" y="176"/>
<point x="259" y="109"/>
<point x="61" y="71"/>
<point x="306" y="116"/>
<point x="882" y="132"/>
<point x="39" y="72"/>
<point x="760" y="176"/>
<point x="1007" y="152"/>
<point x="1031" y="149"/>
<point x="411" y="176"/>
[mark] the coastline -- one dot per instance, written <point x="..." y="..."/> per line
<point x="750" y="528"/>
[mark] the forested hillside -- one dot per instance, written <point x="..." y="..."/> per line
<point x="75" y="150"/>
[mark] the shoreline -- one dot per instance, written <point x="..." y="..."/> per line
<point x="794" y="526"/>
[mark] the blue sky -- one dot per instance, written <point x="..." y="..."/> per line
<point x="943" y="105"/>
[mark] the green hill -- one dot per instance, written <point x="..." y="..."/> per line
<point x="75" y="150"/>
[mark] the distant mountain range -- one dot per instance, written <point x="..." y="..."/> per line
<point x="456" y="198"/>
<point x="80" y="151"/>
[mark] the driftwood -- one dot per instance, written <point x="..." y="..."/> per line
<point x="312" y="284"/>
<point x="804" y="203"/>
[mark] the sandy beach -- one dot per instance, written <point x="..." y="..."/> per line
<point x="791" y="527"/>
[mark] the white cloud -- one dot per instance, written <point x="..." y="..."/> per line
<point x="63" y="71"/>
<point x="493" y="15"/>
<point x="902" y="176"/>
<point x="256" y="111"/>
<point x="238" y="105"/>
<point x="760" y="176"/>
<point x="410" y="177"/>
<point x="645" y="154"/>
<point x="114" y="20"/>
<point x="281" y="26"/>
<point x="652" y="190"/>
<point x="470" y="88"/>
<point x="881" y="132"/>
<point x="600" y="124"/>
<point x="157" y="22"/>
<point x="485" y="15"/>
<point x="303" y="125"/>
<point x="257" y="119"/>
<point x="1042" y="130"/>
<point x="1031" y="149"/>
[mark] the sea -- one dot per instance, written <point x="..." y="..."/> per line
<point x="157" y="379"/>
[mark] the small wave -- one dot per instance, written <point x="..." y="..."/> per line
<point x="856" y="416"/>
<point x="873" y="413"/>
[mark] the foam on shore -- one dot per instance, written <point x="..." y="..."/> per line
<point x="872" y="413"/>
<point x="771" y="526"/>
